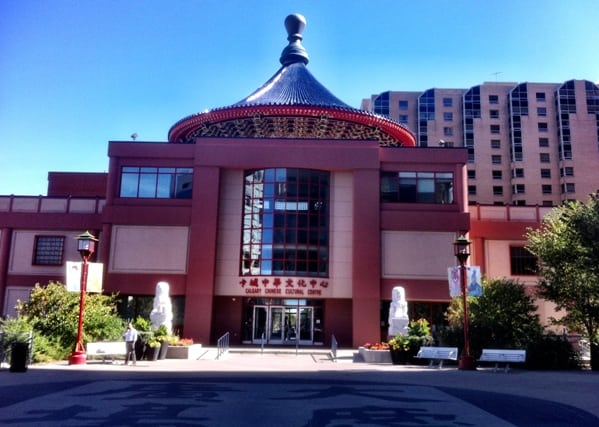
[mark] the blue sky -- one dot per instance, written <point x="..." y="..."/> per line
<point x="75" y="74"/>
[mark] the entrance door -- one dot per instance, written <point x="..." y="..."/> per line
<point x="281" y="325"/>
<point x="277" y="325"/>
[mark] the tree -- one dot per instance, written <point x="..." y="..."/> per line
<point x="53" y="313"/>
<point x="567" y="246"/>
<point x="503" y="317"/>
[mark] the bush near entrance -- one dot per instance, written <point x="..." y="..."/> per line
<point x="52" y="313"/>
<point x="505" y="317"/>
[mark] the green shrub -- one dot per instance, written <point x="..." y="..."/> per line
<point x="552" y="352"/>
<point x="503" y="317"/>
<point x="53" y="314"/>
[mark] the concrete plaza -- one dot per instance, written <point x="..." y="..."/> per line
<point x="292" y="388"/>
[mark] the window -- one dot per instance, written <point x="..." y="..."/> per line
<point x="541" y="111"/>
<point x="447" y="116"/>
<point x="285" y="228"/>
<point x="567" y="171"/>
<point x="494" y="114"/>
<point x="156" y="183"/>
<point x="447" y="102"/>
<point x="543" y="127"/>
<point x="523" y="263"/>
<point x="498" y="190"/>
<point x="403" y="119"/>
<point x="447" y="131"/>
<point x="495" y="143"/>
<point x="472" y="190"/>
<point x="48" y="250"/>
<point x="518" y="173"/>
<point x="403" y="104"/>
<point x="518" y="189"/>
<point x="543" y="142"/>
<point x="540" y="97"/>
<point x="496" y="159"/>
<point x="381" y="104"/>
<point x="544" y="158"/>
<point x="493" y="99"/>
<point x="497" y="175"/>
<point x="545" y="173"/>
<point x="546" y="189"/>
<point x="417" y="187"/>
<point x="569" y="187"/>
<point x="495" y="129"/>
<point x="471" y="174"/>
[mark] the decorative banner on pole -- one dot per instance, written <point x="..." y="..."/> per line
<point x="473" y="281"/>
<point x="95" y="271"/>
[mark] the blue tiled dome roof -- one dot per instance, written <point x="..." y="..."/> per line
<point x="291" y="104"/>
<point x="293" y="85"/>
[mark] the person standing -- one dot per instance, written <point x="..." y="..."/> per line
<point x="130" y="336"/>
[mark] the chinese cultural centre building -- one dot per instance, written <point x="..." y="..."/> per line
<point x="288" y="216"/>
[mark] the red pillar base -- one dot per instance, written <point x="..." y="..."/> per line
<point x="78" y="358"/>
<point x="467" y="363"/>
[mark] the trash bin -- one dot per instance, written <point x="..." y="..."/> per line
<point x="19" y="355"/>
<point x="594" y="356"/>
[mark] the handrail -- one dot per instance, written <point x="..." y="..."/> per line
<point x="334" y="346"/>
<point x="222" y="345"/>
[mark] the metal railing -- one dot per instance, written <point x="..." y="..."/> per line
<point x="222" y="345"/>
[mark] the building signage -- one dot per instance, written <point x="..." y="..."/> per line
<point x="95" y="272"/>
<point x="284" y="286"/>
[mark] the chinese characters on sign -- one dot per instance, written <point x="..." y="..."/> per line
<point x="283" y="286"/>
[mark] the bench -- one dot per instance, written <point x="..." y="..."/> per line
<point x="106" y="349"/>
<point x="438" y="354"/>
<point x="503" y="356"/>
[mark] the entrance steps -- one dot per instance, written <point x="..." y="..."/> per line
<point x="319" y="354"/>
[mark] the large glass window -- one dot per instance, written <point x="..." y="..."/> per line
<point x="156" y="183"/>
<point x="381" y="104"/>
<point x="523" y="263"/>
<point x="48" y="250"/>
<point x="417" y="187"/>
<point x="285" y="222"/>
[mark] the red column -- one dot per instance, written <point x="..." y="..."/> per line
<point x="366" y="292"/>
<point x="199" y="292"/>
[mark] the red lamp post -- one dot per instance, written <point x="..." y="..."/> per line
<point x="461" y="249"/>
<point x="86" y="245"/>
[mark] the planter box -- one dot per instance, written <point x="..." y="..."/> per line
<point x="193" y="351"/>
<point x="375" y="356"/>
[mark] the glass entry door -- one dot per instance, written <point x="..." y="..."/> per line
<point x="283" y="325"/>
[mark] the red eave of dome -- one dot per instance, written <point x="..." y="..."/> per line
<point x="184" y="127"/>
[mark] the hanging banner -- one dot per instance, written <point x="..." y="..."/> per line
<point x="473" y="281"/>
<point x="95" y="271"/>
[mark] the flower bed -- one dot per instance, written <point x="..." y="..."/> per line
<point x="193" y="351"/>
<point x="375" y="353"/>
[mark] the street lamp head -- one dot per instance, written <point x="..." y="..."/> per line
<point x="461" y="248"/>
<point x="86" y="244"/>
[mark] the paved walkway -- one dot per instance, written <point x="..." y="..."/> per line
<point x="285" y="388"/>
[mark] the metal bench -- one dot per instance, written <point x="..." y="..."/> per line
<point x="438" y="354"/>
<point x="503" y="356"/>
<point x="106" y="349"/>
